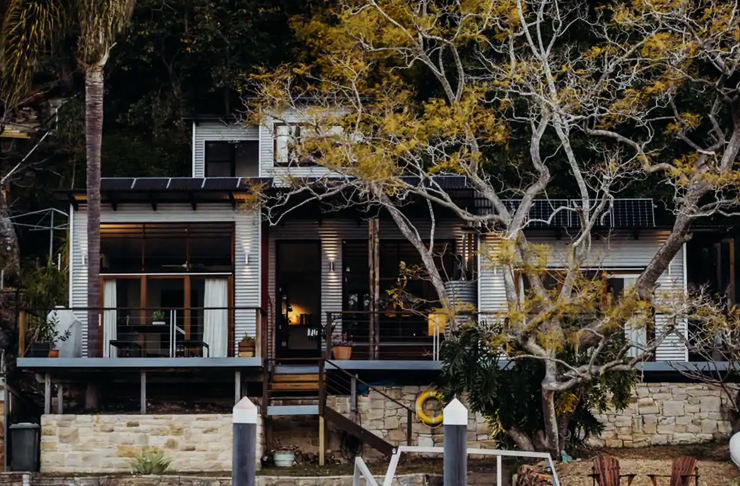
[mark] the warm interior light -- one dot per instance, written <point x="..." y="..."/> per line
<point x="294" y="315"/>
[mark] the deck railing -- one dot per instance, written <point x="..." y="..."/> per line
<point x="125" y="332"/>
<point x="391" y="335"/>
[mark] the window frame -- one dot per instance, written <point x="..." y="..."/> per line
<point x="191" y="231"/>
<point x="232" y="158"/>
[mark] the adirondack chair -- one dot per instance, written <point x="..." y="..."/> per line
<point x="683" y="469"/>
<point x="606" y="472"/>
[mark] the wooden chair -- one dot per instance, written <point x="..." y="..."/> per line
<point x="683" y="469"/>
<point x="606" y="472"/>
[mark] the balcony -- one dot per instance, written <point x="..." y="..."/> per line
<point x="124" y="332"/>
<point x="387" y="335"/>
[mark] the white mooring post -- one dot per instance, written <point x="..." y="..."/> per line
<point x="244" y="465"/>
<point x="455" y="423"/>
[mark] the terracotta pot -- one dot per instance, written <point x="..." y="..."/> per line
<point x="245" y="347"/>
<point x="53" y="353"/>
<point x="342" y="352"/>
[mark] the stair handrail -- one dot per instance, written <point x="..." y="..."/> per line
<point x="409" y="411"/>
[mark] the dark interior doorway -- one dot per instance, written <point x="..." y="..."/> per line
<point x="298" y="292"/>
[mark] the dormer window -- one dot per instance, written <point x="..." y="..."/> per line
<point x="232" y="159"/>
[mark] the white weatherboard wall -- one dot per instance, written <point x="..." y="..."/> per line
<point x="619" y="252"/>
<point x="217" y="131"/>
<point x="247" y="237"/>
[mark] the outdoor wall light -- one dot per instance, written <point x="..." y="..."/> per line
<point x="331" y="266"/>
<point x="84" y="258"/>
<point x="246" y="259"/>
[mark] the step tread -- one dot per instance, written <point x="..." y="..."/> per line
<point x="294" y="386"/>
<point x="282" y="410"/>
<point x="296" y="377"/>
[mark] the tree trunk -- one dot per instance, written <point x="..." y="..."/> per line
<point x="93" y="143"/>
<point x="9" y="254"/>
<point x="10" y="266"/>
<point x="549" y="416"/>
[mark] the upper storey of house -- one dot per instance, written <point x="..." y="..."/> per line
<point x="226" y="147"/>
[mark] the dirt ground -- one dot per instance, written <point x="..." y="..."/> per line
<point x="715" y="466"/>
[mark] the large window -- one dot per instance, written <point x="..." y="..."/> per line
<point x="232" y="159"/>
<point x="166" y="248"/>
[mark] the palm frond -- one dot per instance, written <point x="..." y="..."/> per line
<point x="29" y="28"/>
<point x="100" y="22"/>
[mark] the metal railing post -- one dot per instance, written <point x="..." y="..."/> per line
<point x="409" y="418"/>
<point x="329" y="332"/>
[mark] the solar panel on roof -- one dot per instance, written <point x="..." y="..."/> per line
<point x="186" y="184"/>
<point x="623" y="213"/>
<point x="151" y="184"/>
<point x="221" y="183"/>
<point x="116" y="183"/>
<point x="631" y="213"/>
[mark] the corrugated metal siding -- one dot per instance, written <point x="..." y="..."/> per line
<point x="216" y="131"/>
<point x="247" y="234"/>
<point x="620" y="251"/>
<point x="491" y="290"/>
<point x="78" y="271"/>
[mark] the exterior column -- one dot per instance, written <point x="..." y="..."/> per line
<point x="244" y="461"/>
<point x="455" y="444"/>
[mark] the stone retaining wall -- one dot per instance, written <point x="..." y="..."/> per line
<point x="658" y="413"/>
<point x="108" y="443"/>
<point x="667" y="413"/>
<point x="388" y="419"/>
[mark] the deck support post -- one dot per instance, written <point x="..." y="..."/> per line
<point x="47" y="393"/>
<point x="143" y="392"/>
<point x="322" y="439"/>
<point x="237" y="386"/>
<point x="60" y="399"/>
<point x="244" y="459"/>
<point x="455" y="462"/>
<point x="374" y="267"/>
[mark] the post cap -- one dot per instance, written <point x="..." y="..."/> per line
<point x="455" y="413"/>
<point x="245" y="412"/>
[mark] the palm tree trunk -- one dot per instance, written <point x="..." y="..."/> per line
<point x="93" y="143"/>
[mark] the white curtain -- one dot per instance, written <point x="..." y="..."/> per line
<point x="110" y="318"/>
<point x="216" y="317"/>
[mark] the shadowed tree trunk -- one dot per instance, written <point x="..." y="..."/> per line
<point x="9" y="257"/>
<point x="93" y="136"/>
<point x="10" y="265"/>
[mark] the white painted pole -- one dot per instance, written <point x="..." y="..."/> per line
<point x="455" y="423"/>
<point x="244" y="465"/>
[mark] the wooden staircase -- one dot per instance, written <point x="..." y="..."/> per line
<point x="302" y="390"/>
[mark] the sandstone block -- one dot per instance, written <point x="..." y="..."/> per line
<point x="711" y="404"/>
<point x="673" y="408"/>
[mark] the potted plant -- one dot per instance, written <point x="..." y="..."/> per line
<point x="44" y="337"/>
<point x="158" y="318"/>
<point x="246" y="347"/>
<point x="342" y="346"/>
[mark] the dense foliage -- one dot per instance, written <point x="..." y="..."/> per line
<point x="506" y="392"/>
